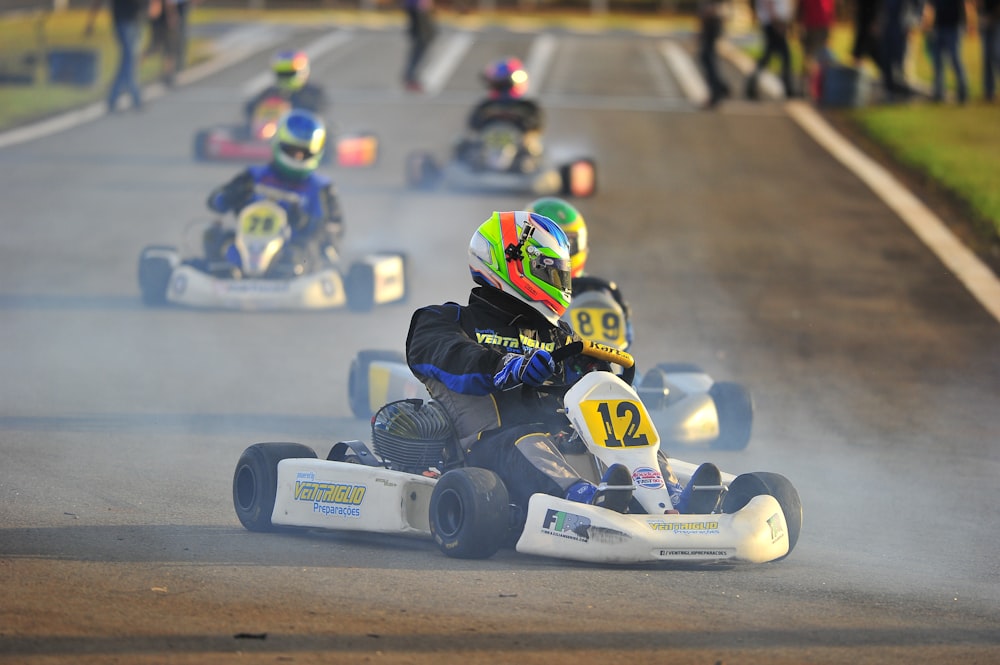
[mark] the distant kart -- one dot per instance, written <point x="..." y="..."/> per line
<point x="687" y="405"/>
<point x="499" y="160"/>
<point x="252" y="142"/>
<point x="414" y="481"/>
<point x="269" y="275"/>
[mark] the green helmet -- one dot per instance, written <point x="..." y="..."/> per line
<point x="526" y="255"/>
<point x="298" y="143"/>
<point x="573" y="225"/>
<point x="291" y="69"/>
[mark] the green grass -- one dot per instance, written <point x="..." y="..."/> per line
<point x="24" y="35"/>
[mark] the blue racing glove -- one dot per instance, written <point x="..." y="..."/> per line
<point x="531" y="369"/>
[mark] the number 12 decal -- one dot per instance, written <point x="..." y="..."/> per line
<point x="624" y="423"/>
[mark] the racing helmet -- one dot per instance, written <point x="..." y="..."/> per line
<point x="298" y="143"/>
<point x="573" y="225"/>
<point x="525" y="255"/>
<point x="291" y="69"/>
<point x="506" y="78"/>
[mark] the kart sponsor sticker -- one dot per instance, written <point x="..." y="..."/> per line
<point x="647" y="477"/>
<point x="254" y="286"/>
<point x="700" y="554"/>
<point x="512" y="343"/>
<point x="566" y="525"/>
<point x="683" y="527"/>
<point x="777" y="529"/>
<point x="331" y="499"/>
<point x="328" y="288"/>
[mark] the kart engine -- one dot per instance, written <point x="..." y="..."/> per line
<point x="412" y="435"/>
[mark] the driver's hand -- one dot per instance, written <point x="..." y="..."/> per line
<point x="531" y="369"/>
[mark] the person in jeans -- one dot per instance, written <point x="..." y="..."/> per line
<point x="127" y="17"/>
<point x="949" y="22"/>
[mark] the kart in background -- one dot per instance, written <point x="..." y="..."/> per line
<point x="262" y="275"/>
<point x="689" y="407"/>
<point x="412" y="481"/>
<point x="251" y="142"/>
<point x="500" y="160"/>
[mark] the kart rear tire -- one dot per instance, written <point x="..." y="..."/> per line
<point x="748" y="485"/>
<point x="255" y="481"/>
<point x="201" y="144"/>
<point x="734" y="407"/>
<point x="154" y="275"/>
<point x="469" y="513"/>
<point x="422" y="171"/>
<point x="357" y="379"/>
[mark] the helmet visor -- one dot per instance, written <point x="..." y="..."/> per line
<point x="299" y="153"/>
<point x="553" y="271"/>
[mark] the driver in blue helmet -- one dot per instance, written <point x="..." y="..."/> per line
<point x="290" y="179"/>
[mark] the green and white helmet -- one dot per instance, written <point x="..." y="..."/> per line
<point x="298" y="143"/>
<point x="526" y="255"/>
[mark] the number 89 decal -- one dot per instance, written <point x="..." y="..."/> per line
<point x="618" y="423"/>
<point x="604" y="325"/>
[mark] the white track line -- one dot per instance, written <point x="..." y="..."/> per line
<point x="440" y="68"/>
<point x="965" y="265"/>
<point x="688" y="77"/>
<point x="539" y="58"/>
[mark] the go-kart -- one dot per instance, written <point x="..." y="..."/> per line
<point x="251" y="142"/>
<point x="263" y="270"/>
<point x="500" y="158"/>
<point x="412" y="480"/>
<point x="689" y="407"/>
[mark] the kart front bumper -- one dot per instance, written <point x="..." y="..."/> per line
<point x="193" y="288"/>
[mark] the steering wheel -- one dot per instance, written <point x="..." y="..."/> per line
<point x="595" y="350"/>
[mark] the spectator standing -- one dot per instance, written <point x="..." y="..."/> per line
<point x="711" y="14"/>
<point x="421" y="30"/>
<point x="127" y="17"/>
<point x="816" y="18"/>
<point x="774" y="17"/>
<point x="949" y="21"/>
<point x="989" y="33"/>
<point x="866" y="32"/>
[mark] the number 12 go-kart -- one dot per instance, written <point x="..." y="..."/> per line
<point x="412" y="481"/>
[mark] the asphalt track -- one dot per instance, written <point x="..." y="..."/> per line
<point x="742" y="245"/>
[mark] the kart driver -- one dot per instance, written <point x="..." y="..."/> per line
<point x="291" y="71"/>
<point x="484" y="363"/>
<point x="506" y="83"/>
<point x="310" y="200"/>
<point x="575" y="227"/>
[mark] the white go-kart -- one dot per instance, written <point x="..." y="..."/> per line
<point x="265" y="274"/>
<point x="412" y="481"/>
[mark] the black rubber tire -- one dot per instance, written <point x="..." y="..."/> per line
<point x="735" y="411"/>
<point x="470" y="513"/>
<point x="154" y="276"/>
<point x="357" y="379"/>
<point x="201" y="144"/>
<point x="360" y="285"/>
<point x="255" y="481"/>
<point x="565" y="176"/>
<point x="422" y="171"/>
<point x="748" y="485"/>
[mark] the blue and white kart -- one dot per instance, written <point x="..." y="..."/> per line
<point x="412" y="482"/>
<point x="689" y="407"/>
<point x="258" y="279"/>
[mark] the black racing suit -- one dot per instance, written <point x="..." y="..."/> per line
<point x="456" y="350"/>
<point x="307" y="98"/>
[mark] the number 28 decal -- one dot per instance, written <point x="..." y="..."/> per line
<point x="618" y="423"/>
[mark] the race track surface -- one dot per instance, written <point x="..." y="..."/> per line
<point x="742" y="246"/>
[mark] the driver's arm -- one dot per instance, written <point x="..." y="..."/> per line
<point x="438" y="348"/>
<point x="234" y="194"/>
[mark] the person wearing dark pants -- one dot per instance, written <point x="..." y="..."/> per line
<point x="421" y="30"/>
<point x="711" y="16"/>
<point x="127" y="17"/>
<point x="989" y="32"/>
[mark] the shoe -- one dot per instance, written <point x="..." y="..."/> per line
<point x="615" y="490"/>
<point x="414" y="86"/>
<point x="703" y="491"/>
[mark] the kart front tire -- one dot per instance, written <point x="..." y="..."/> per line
<point x="358" y="385"/>
<point x="748" y="485"/>
<point x="469" y="513"/>
<point x="201" y="144"/>
<point x="734" y="407"/>
<point x="255" y="481"/>
<point x="154" y="274"/>
<point x="361" y="287"/>
<point x="422" y="171"/>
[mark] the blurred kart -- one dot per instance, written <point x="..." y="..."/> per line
<point x="500" y="159"/>
<point x="413" y="481"/>
<point x="687" y="405"/>
<point x="251" y="142"/>
<point x="268" y="271"/>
